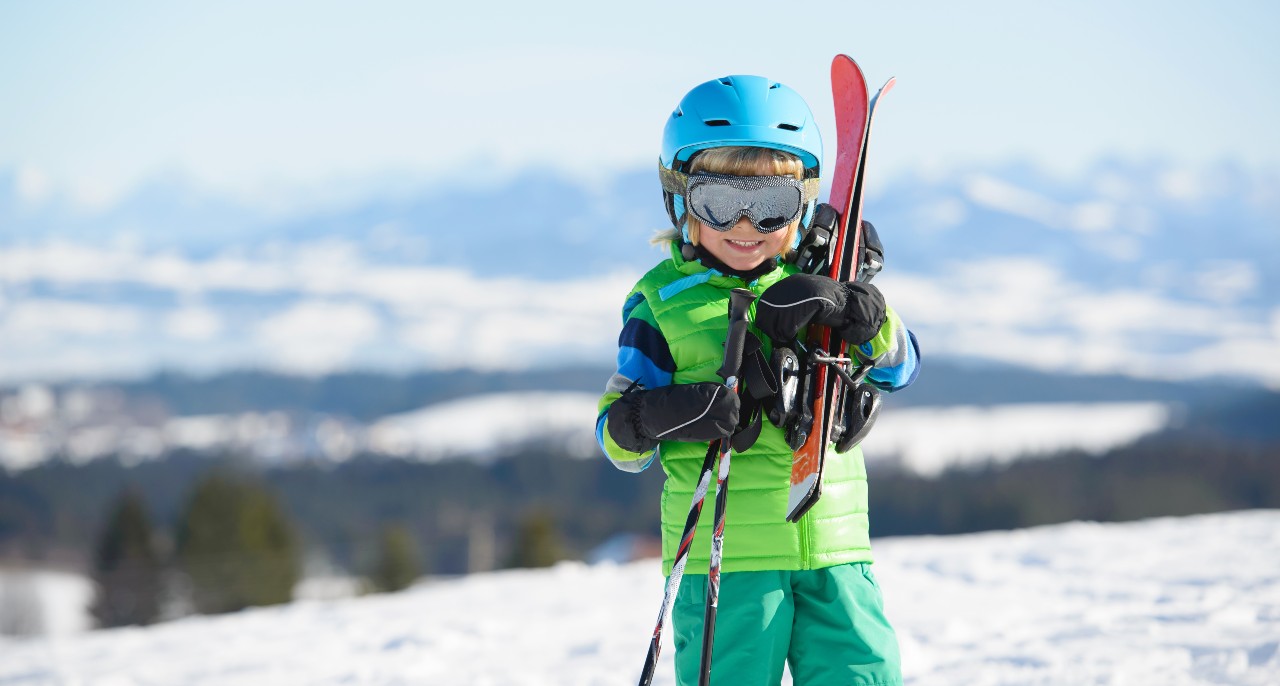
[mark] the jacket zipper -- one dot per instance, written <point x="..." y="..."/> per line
<point x="805" y="562"/>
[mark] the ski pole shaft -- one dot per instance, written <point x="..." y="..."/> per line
<point x="713" y="574"/>
<point x="739" y="310"/>
<point x="740" y="300"/>
<point x="682" y="557"/>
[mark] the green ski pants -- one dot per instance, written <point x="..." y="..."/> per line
<point x="827" y="624"/>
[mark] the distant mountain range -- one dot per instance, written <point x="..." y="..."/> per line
<point x="1133" y="268"/>
<point x="953" y="414"/>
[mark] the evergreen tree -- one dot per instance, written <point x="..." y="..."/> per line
<point x="537" y="542"/>
<point x="399" y="563"/>
<point x="126" y="566"/>
<point x="236" y="546"/>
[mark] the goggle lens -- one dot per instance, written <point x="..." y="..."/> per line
<point x="770" y="203"/>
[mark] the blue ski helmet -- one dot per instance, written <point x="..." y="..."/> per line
<point x="738" y="111"/>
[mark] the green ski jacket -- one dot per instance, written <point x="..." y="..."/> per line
<point x="674" y="324"/>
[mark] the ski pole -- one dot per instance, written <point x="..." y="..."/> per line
<point x="739" y="307"/>
<point x="695" y="511"/>
<point x="682" y="557"/>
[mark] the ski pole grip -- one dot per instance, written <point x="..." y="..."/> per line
<point x="740" y="300"/>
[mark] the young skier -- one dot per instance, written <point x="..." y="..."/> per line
<point x="741" y="158"/>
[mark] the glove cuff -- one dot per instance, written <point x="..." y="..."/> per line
<point x="624" y="423"/>
<point x="864" y="313"/>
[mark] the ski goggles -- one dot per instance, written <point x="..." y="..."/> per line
<point x="771" y="203"/>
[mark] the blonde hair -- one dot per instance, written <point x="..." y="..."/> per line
<point x="740" y="161"/>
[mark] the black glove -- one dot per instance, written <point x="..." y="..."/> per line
<point x="853" y="310"/>
<point x="692" y="412"/>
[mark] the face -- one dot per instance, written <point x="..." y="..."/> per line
<point x="742" y="247"/>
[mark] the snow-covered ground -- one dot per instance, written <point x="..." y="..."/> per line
<point x="43" y="602"/>
<point x="926" y="440"/>
<point x="1165" y="602"/>
<point x="463" y="427"/>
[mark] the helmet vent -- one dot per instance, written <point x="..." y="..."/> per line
<point x="716" y="122"/>
<point x="788" y="127"/>
<point x="726" y="82"/>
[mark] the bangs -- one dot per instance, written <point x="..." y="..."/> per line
<point x="748" y="161"/>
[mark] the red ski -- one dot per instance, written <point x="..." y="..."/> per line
<point x="854" y="113"/>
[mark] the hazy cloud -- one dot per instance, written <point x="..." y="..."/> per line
<point x="314" y="337"/>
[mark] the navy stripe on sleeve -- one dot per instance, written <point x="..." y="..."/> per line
<point x="640" y="334"/>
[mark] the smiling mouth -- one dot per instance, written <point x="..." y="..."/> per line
<point x="744" y="244"/>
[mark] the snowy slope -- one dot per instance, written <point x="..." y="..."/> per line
<point x="929" y="440"/>
<point x="486" y="425"/>
<point x="1167" y="602"/>
<point x="925" y="440"/>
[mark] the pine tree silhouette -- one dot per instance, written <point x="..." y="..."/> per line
<point x="537" y="542"/>
<point x="236" y="546"/>
<point x="126" y="567"/>
<point x="399" y="562"/>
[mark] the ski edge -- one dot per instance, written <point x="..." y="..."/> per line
<point x="804" y="492"/>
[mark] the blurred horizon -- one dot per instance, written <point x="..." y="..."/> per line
<point x="1102" y="273"/>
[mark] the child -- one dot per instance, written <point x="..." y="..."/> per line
<point x="800" y="593"/>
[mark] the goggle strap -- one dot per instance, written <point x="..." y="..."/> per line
<point x="673" y="181"/>
<point x="677" y="183"/>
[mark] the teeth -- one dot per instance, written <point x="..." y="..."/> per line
<point x="745" y="244"/>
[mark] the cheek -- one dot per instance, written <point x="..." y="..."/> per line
<point x="777" y="241"/>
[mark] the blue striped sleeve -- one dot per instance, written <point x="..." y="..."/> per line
<point x="643" y="354"/>
<point x="897" y="354"/>
<point x="644" y="359"/>
<point x="900" y="375"/>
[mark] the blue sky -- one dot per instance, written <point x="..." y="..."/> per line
<point x="257" y="98"/>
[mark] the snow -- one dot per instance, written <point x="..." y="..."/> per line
<point x="464" y="426"/>
<point x="44" y="602"/>
<point x="928" y="440"/>
<point x="1173" y="602"/>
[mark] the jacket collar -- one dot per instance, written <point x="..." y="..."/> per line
<point x="697" y="273"/>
